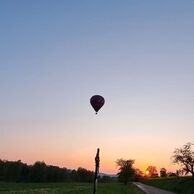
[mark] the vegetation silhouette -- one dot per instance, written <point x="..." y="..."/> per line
<point x="126" y="170"/>
<point x="152" y="171"/>
<point x="163" y="172"/>
<point x="185" y="157"/>
<point x="16" y="171"/>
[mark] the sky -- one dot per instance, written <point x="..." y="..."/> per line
<point x="54" y="55"/>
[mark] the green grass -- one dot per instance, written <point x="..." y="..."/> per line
<point x="66" y="188"/>
<point x="179" y="185"/>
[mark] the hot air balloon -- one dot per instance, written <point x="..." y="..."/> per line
<point x="97" y="102"/>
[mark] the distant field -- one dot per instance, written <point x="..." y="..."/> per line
<point x="66" y="188"/>
<point x="180" y="185"/>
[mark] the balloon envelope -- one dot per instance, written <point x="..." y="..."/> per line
<point x="97" y="102"/>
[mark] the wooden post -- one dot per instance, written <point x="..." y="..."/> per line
<point x="97" y="165"/>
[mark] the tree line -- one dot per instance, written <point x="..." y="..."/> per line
<point x="17" y="171"/>
<point x="127" y="172"/>
<point x="183" y="156"/>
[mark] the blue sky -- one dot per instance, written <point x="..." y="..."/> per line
<point x="54" y="55"/>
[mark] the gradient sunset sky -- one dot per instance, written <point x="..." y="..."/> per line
<point x="54" y="55"/>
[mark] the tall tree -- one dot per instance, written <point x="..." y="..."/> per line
<point x="126" y="170"/>
<point x="185" y="157"/>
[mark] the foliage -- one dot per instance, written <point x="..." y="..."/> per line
<point x="152" y="171"/>
<point x="126" y="170"/>
<point x="138" y="174"/>
<point x="16" y="171"/>
<point x="66" y="188"/>
<point x="185" y="157"/>
<point x="163" y="172"/>
<point x="84" y="175"/>
<point x="38" y="172"/>
<point x="171" y="174"/>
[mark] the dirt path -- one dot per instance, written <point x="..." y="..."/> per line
<point x="151" y="190"/>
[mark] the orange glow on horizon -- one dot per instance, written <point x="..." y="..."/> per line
<point x="111" y="148"/>
<point x="147" y="172"/>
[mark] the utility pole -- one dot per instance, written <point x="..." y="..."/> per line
<point x="97" y="165"/>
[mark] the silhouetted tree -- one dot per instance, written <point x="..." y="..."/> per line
<point x="67" y="175"/>
<point x="163" y="172"/>
<point x="12" y="170"/>
<point x="24" y="175"/>
<point x="180" y="172"/>
<point x="185" y="157"/>
<point x="1" y="170"/>
<point x="54" y="174"/>
<point x="126" y="170"/>
<point x="152" y="171"/>
<point x="84" y="175"/>
<point x="138" y="174"/>
<point x="38" y="172"/>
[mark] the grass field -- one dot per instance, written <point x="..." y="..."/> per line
<point x="180" y="185"/>
<point x="66" y="188"/>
